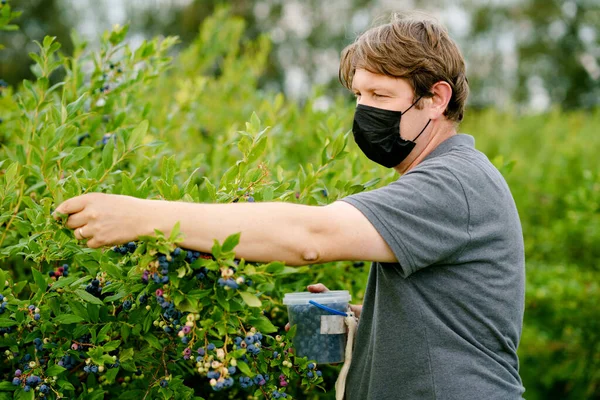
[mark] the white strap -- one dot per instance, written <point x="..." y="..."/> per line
<point x="340" y="384"/>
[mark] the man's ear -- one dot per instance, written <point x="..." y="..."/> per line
<point x="442" y="93"/>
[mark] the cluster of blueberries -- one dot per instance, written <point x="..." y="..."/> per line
<point x="314" y="373"/>
<point x="60" y="271"/>
<point x="252" y="343"/>
<point x="128" y="248"/>
<point x="229" y="282"/>
<point x="27" y="363"/>
<point x="163" y="264"/>
<point x="170" y="312"/>
<point x="6" y="330"/>
<point x="278" y="395"/>
<point x="90" y="369"/>
<point x="309" y="342"/>
<point x="93" y="369"/>
<point x="3" y="304"/>
<point x="30" y="382"/>
<point x="226" y="383"/>
<point x="94" y="288"/>
<point x="39" y="345"/>
<point x="193" y="255"/>
<point x="202" y="274"/>
<point x="127" y="305"/>
<point x="68" y="362"/>
<point x="247" y="382"/>
<point x="36" y="312"/>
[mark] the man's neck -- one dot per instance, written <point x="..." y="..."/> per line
<point x="439" y="133"/>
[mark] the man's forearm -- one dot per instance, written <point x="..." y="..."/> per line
<point x="269" y="231"/>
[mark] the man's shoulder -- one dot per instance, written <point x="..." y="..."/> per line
<point x="459" y="157"/>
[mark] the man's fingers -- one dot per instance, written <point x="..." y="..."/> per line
<point x="317" y="288"/>
<point x="76" y="220"/>
<point x="73" y="205"/>
<point x="356" y="309"/>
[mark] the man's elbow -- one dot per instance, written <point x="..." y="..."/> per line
<point x="305" y="256"/>
<point x="312" y="248"/>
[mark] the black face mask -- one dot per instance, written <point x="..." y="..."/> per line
<point x="377" y="133"/>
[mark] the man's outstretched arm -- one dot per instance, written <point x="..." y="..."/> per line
<point x="293" y="233"/>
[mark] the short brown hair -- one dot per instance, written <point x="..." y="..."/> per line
<point x="415" y="47"/>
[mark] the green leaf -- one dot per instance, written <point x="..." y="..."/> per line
<point x="113" y="270"/>
<point x="5" y="323"/>
<point x="137" y="136"/>
<point x="7" y="386"/>
<point x="40" y="281"/>
<point x="125" y="331"/>
<point x="132" y="395"/>
<point x="175" y="232"/>
<point x="20" y="394"/>
<point x="212" y="190"/>
<point x="76" y="105"/>
<point x="126" y="354"/>
<point x="65" y="385"/>
<point x="262" y="324"/>
<point x="111" y="374"/>
<point x="107" y="153"/>
<point x="245" y="369"/>
<point x="152" y="341"/>
<point x="68" y="319"/>
<point x="275" y="267"/>
<point x="257" y="150"/>
<point x="112" y="345"/>
<point x="48" y="41"/>
<point x="119" y="295"/>
<point x="62" y="281"/>
<point x="54" y="370"/>
<point x="230" y="243"/>
<point x="251" y="299"/>
<point x="88" y="298"/>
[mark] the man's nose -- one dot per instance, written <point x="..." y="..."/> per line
<point x="364" y="101"/>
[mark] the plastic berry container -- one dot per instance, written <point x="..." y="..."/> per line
<point x="321" y="331"/>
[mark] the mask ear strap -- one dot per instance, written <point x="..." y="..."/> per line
<point x="411" y="106"/>
<point x="422" y="130"/>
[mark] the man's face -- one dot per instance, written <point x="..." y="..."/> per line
<point x="389" y="93"/>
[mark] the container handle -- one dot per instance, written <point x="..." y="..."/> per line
<point x="331" y="310"/>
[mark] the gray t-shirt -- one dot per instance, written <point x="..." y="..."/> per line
<point x="445" y="321"/>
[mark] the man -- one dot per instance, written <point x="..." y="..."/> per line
<point x="443" y="308"/>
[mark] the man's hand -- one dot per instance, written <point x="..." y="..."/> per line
<point x="320" y="288"/>
<point x="104" y="219"/>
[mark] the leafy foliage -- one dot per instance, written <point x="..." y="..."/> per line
<point x="130" y="322"/>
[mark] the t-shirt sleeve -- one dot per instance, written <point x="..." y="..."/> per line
<point x="423" y="216"/>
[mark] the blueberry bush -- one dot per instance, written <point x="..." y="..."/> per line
<point x="152" y="320"/>
<point x="149" y="319"/>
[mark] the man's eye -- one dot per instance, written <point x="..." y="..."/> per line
<point x="378" y="95"/>
<point x="357" y="95"/>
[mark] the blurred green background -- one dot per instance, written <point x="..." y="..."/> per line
<point x="535" y="79"/>
<point x="521" y="55"/>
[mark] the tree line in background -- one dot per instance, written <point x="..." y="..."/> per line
<point x="526" y="55"/>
